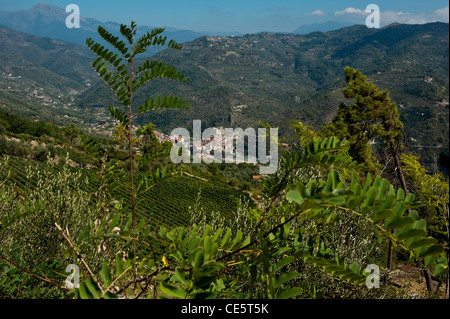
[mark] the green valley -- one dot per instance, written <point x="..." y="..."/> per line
<point x="98" y="202"/>
<point x="275" y="78"/>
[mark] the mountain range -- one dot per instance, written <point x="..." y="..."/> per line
<point x="237" y="81"/>
<point x="40" y="77"/>
<point x="320" y="27"/>
<point x="46" y="20"/>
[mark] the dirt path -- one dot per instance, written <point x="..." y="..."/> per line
<point x="412" y="280"/>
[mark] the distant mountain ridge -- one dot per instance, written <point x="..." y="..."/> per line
<point x="238" y="81"/>
<point x="46" y="20"/>
<point x="321" y="27"/>
<point x="39" y="77"/>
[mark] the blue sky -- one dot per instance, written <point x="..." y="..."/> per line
<point x="247" y="16"/>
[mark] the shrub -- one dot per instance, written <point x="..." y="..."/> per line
<point x="40" y="153"/>
<point x="246" y="186"/>
<point x="3" y="145"/>
<point x="233" y="182"/>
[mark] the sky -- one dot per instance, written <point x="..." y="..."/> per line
<point x="246" y="16"/>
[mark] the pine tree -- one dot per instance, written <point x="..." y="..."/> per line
<point x="372" y="115"/>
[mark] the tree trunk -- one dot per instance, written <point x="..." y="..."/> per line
<point x="389" y="262"/>
<point x="401" y="178"/>
<point x="428" y="280"/>
<point x="398" y="168"/>
<point x="403" y="185"/>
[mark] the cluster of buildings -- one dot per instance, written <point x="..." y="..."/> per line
<point x="218" y="141"/>
<point x="11" y="77"/>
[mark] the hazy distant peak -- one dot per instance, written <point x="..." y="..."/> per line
<point x="46" y="8"/>
<point x="322" y="27"/>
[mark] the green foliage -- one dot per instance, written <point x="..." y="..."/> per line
<point x="207" y="263"/>
<point x="150" y="145"/>
<point x="41" y="153"/>
<point x="264" y="260"/>
<point x="288" y="82"/>
<point x="269" y="250"/>
<point x="305" y="134"/>
<point x="116" y="68"/>
<point x="319" y="152"/>
<point x="371" y="116"/>
<point x="17" y="124"/>
<point x="72" y="132"/>
<point x="17" y="284"/>
<point x="198" y="265"/>
<point x="166" y="204"/>
<point x="195" y="258"/>
<point x="3" y="125"/>
<point x="432" y="190"/>
<point x="378" y="203"/>
<point x="14" y="148"/>
<point x="10" y="216"/>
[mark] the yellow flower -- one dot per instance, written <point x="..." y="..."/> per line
<point x="164" y="260"/>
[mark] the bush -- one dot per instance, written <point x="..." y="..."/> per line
<point x="3" y="145"/>
<point x="246" y="186"/>
<point x="4" y="126"/>
<point x="40" y="153"/>
<point x="52" y="150"/>
<point x="14" y="148"/>
<point x="233" y="182"/>
<point x="21" y="149"/>
<point x="65" y="202"/>
<point x="126" y="164"/>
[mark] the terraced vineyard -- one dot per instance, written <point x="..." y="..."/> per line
<point x="168" y="203"/>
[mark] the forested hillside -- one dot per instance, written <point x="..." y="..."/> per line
<point x="349" y="212"/>
<point x="238" y="81"/>
<point x="40" y="77"/>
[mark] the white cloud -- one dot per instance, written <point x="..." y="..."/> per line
<point x="387" y="17"/>
<point x="442" y="14"/>
<point x="316" y="13"/>
<point x="351" y="11"/>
